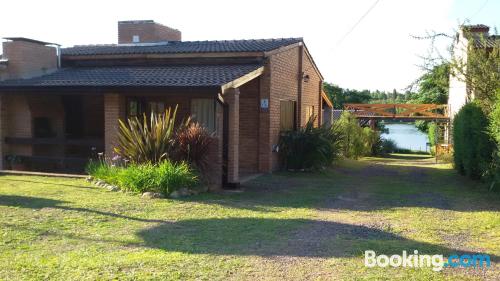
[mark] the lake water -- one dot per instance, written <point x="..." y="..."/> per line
<point x="406" y="136"/>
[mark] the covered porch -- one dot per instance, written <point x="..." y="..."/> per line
<point x="56" y="123"/>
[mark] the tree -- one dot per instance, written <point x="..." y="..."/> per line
<point x="336" y="95"/>
<point x="433" y="85"/>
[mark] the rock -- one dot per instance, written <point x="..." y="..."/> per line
<point x="184" y="192"/>
<point x="152" y="195"/>
<point x="89" y="179"/>
<point x="99" y="183"/>
<point x="112" y="187"/>
<point x="193" y="192"/>
<point x="175" y="194"/>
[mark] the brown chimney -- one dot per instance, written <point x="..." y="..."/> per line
<point x="25" y="58"/>
<point x="145" y="31"/>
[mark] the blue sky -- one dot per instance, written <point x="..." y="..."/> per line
<point x="479" y="11"/>
<point x="378" y="54"/>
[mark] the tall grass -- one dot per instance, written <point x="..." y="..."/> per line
<point x="309" y="147"/>
<point x="164" y="177"/>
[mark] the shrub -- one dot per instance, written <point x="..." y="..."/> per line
<point x="309" y="147"/>
<point x="494" y="130"/>
<point x="432" y="133"/>
<point x="472" y="145"/>
<point x="357" y="141"/>
<point x="143" y="140"/>
<point x="192" y="144"/>
<point x="372" y="141"/>
<point x="388" y="146"/>
<point x="353" y="142"/>
<point x="164" y="177"/>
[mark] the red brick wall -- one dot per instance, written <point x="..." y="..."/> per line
<point x="114" y="109"/>
<point x="311" y="95"/>
<point x="280" y="81"/>
<point x="148" y="32"/>
<point x="249" y="127"/>
<point x="3" y="118"/>
<point x="28" y="59"/>
<point x="265" y="159"/>
<point x="284" y="86"/>
<point x="16" y="122"/>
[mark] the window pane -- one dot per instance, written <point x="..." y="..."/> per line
<point x="203" y="112"/>
<point x="133" y="108"/>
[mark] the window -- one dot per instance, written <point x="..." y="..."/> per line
<point x="136" y="39"/>
<point x="156" y="107"/>
<point x="287" y="115"/>
<point x="203" y="112"/>
<point x="133" y="108"/>
<point x="309" y="112"/>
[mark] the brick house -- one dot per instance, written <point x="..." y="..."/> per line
<point x="60" y="105"/>
<point x="476" y="36"/>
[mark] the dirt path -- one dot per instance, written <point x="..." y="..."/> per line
<point x="315" y="243"/>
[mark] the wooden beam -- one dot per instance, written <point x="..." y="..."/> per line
<point x="243" y="79"/>
<point x="399" y="111"/>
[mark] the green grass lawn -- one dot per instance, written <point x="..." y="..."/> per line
<point x="306" y="226"/>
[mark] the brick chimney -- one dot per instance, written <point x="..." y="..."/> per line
<point x="25" y="58"/>
<point x="145" y="31"/>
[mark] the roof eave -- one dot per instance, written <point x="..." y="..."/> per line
<point x="163" y="56"/>
<point x="103" y="89"/>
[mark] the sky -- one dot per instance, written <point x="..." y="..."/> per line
<point x="377" y="53"/>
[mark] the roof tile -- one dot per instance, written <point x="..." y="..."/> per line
<point x="163" y="76"/>
<point x="175" y="47"/>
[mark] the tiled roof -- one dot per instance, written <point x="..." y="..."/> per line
<point x="175" y="47"/>
<point x="488" y="42"/>
<point x="162" y="76"/>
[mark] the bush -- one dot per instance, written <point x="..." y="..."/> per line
<point x="192" y="144"/>
<point x="357" y="141"/>
<point x="353" y="141"/>
<point x="373" y="141"/>
<point x="143" y="140"/>
<point x="473" y="147"/>
<point x="388" y="146"/>
<point x="164" y="177"/>
<point x="432" y="133"/>
<point x="309" y="147"/>
<point x="494" y="130"/>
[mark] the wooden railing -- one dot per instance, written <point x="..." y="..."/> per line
<point x="401" y="111"/>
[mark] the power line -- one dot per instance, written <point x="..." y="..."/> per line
<point x="480" y="9"/>
<point x="357" y="23"/>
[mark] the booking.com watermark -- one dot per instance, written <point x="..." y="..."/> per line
<point x="416" y="260"/>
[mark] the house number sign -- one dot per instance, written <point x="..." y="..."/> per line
<point x="264" y="103"/>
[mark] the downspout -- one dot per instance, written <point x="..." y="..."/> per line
<point x="320" y="109"/>
<point x="299" y="91"/>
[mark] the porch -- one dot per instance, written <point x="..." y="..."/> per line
<point x="57" y="122"/>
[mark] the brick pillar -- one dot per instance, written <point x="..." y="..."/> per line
<point x="265" y="147"/>
<point x="2" y="136"/>
<point x="232" y="98"/>
<point x="114" y="109"/>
